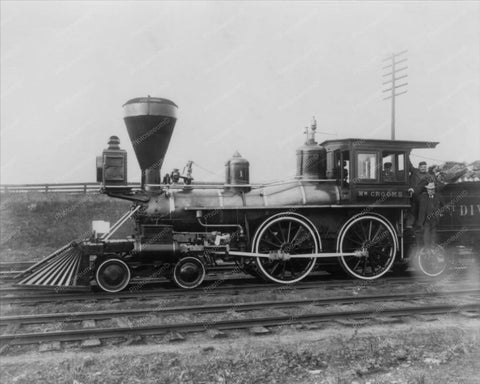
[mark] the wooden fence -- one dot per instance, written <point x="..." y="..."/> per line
<point x="83" y="188"/>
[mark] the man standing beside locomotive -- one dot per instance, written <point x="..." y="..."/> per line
<point x="429" y="210"/>
<point x="419" y="178"/>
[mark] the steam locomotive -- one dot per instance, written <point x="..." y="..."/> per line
<point x="340" y="209"/>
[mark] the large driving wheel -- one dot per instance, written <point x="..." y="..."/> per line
<point x="112" y="275"/>
<point x="290" y="234"/>
<point x="374" y="239"/>
<point x="432" y="262"/>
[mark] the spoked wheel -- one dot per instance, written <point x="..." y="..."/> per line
<point x="189" y="272"/>
<point x="432" y="262"/>
<point x="112" y="275"/>
<point x="289" y="234"/>
<point x="374" y="238"/>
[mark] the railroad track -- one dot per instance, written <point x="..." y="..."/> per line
<point x="8" y="275"/>
<point x="7" y="266"/>
<point x="222" y="325"/>
<point x="217" y="308"/>
<point x="25" y="296"/>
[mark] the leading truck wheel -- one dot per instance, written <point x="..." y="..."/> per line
<point x="374" y="239"/>
<point x="112" y="275"/>
<point x="189" y="272"/>
<point x="291" y="234"/>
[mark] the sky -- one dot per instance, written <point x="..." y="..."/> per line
<point x="246" y="76"/>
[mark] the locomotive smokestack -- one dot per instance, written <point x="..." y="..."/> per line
<point x="150" y="122"/>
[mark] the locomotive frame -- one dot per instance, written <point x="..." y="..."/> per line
<point x="342" y="207"/>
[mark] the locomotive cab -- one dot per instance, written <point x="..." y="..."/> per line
<point x="374" y="172"/>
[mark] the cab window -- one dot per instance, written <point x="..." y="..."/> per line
<point x="393" y="167"/>
<point x="344" y="168"/>
<point x="366" y="166"/>
<point x="331" y="165"/>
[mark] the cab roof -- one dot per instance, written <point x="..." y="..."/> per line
<point x="377" y="143"/>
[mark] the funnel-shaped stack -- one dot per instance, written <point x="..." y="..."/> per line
<point x="150" y="122"/>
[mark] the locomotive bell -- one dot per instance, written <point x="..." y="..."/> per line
<point x="311" y="157"/>
<point x="150" y="122"/>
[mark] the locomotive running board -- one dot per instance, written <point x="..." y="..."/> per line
<point x="286" y="256"/>
<point x="60" y="269"/>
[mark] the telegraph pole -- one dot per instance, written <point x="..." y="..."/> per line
<point x="395" y="59"/>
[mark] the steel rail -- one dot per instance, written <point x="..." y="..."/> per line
<point x="135" y="293"/>
<point x="159" y="329"/>
<point x="8" y="275"/>
<point x="218" y="308"/>
<point x="15" y="265"/>
<point x="206" y="290"/>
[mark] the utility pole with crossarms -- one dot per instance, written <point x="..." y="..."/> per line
<point x="394" y="68"/>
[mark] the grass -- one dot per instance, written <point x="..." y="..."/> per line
<point x="295" y="357"/>
<point x="33" y="224"/>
